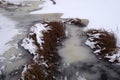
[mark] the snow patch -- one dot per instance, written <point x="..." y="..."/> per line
<point x="37" y="29"/>
<point x="28" y="45"/>
<point x="96" y="35"/>
<point x="114" y="57"/>
<point x="90" y="44"/>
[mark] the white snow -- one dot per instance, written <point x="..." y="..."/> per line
<point x="37" y="29"/>
<point x="90" y="44"/>
<point x="28" y="44"/>
<point x="7" y="32"/>
<point x="24" y="70"/>
<point x="112" y="58"/>
<point x="97" y="35"/>
<point x="97" y="51"/>
<point x="90" y="41"/>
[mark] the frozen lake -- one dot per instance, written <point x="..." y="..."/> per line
<point x="78" y="63"/>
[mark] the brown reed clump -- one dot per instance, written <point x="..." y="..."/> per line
<point x="105" y="43"/>
<point x="53" y="1"/>
<point x="75" y="21"/>
<point x="46" y="62"/>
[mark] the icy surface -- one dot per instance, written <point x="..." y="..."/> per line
<point x="18" y="1"/>
<point x="14" y="1"/>
<point x="7" y="32"/>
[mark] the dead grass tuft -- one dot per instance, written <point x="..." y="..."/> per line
<point x="75" y="21"/>
<point x="53" y="1"/>
<point x="45" y="66"/>
<point x="106" y="43"/>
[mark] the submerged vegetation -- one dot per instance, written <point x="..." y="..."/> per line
<point x="103" y="44"/>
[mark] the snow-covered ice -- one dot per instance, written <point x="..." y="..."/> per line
<point x="7" y="32"/>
